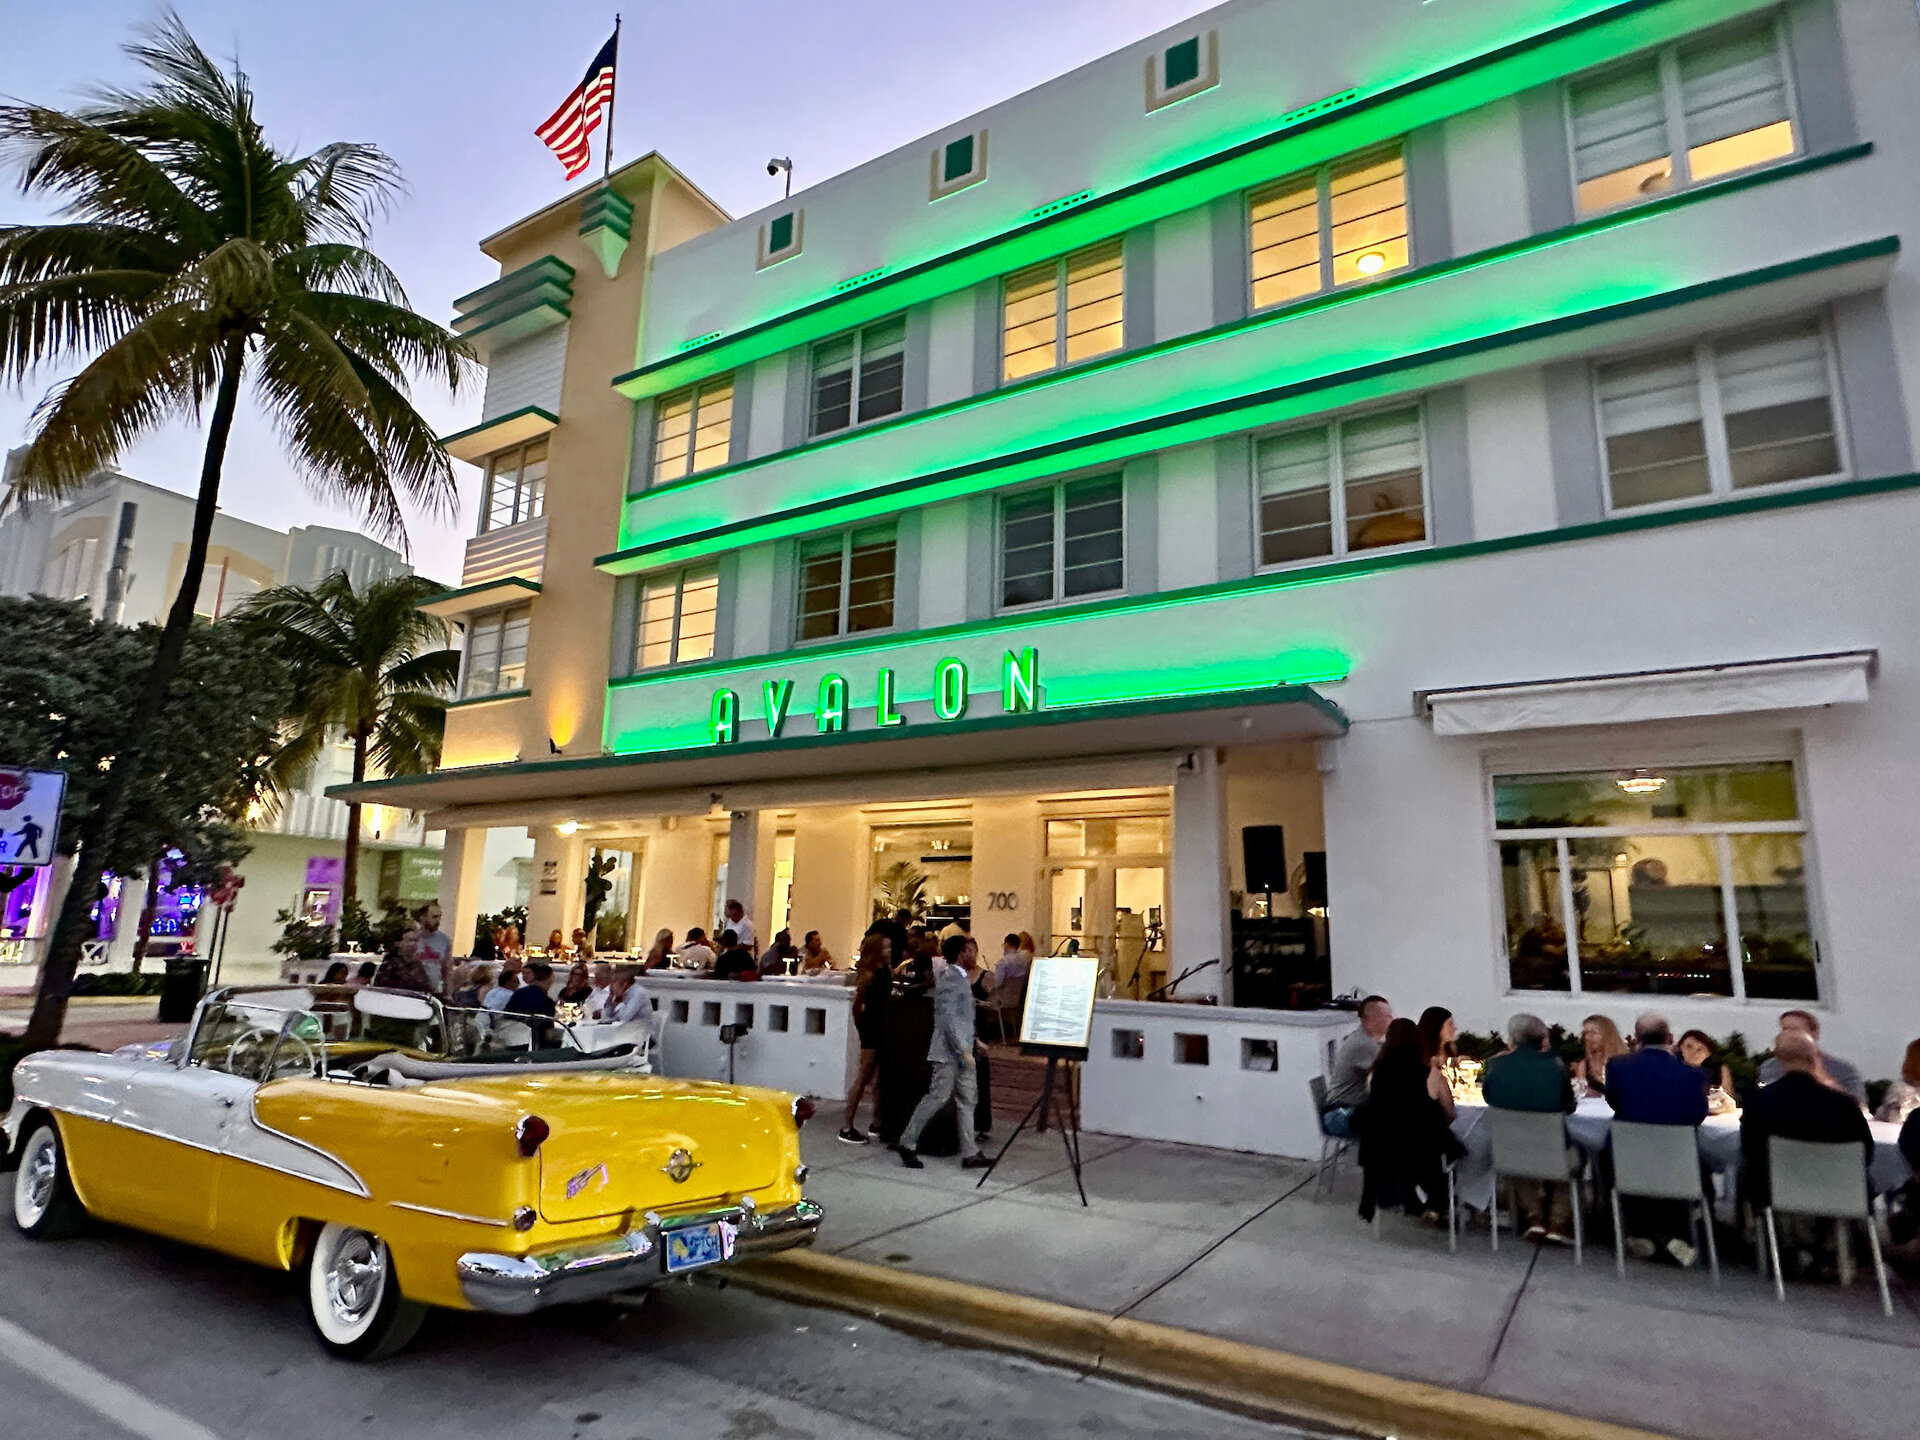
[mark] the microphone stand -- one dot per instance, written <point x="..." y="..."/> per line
<point x="1171" y="985"/>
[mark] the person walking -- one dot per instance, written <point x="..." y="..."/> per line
<point x="874" y="978"/>
<point x="951" y="1052"/>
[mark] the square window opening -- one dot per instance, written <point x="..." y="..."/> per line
<point x="1185" y="68"/>
<point x="816" y="1020"/>
<point x="680" y="1013"/>
<point x="710" y="1012"/>
<point x="777" y="1019"/>
<point x="1190" y="1050"/>
<point x="782" y="237"/>
<point x="743" y="1015"/>
<point x="1261" y="1055"/>
<point x="1129" y="1044"/>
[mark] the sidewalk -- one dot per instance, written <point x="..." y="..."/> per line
<point x="1235" y="1246"/>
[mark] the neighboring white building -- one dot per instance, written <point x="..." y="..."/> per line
<point x="120" y="544"/>
<point x="1474" y="438"/>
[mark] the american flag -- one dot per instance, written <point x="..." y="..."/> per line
<point x="566" y="131"/>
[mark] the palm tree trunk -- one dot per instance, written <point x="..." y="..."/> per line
<point x="350" y="882"/>
<point x="98" y="830"/>
<point x="147" y="910"/>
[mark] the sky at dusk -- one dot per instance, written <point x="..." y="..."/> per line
<point x="453" y="89"/>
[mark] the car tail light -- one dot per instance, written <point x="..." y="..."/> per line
<point x="531" y="1133"/>
<point x="802" y="1109"/>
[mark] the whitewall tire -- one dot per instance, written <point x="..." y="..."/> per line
<point x="353" y="1296"/>
<point x="45" y="1206"/>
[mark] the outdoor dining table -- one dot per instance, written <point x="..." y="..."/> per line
<point x="1591" y="1123"/>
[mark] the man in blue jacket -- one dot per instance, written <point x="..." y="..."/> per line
<point x="950" y="1052"/>
<point x="1651" y="1085"/>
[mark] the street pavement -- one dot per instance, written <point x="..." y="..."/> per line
<point x="118" y="1334"/>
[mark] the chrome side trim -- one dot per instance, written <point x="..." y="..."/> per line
<point x="450" y="1214"/>
<point x="359" y="1186"/>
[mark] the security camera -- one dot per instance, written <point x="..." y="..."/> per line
<point x="773" y="167"/>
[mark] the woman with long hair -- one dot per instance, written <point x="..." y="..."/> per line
<point x="1600" y="1041"/>
<point x="873" y="982"/>
<point x="1405" y="1136"/>
<point x="1437" y="1034"/>
<point x="661" y="953"/>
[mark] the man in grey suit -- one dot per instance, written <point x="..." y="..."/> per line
<point x="950" y="1052"/>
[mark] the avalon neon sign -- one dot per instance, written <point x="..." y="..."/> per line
<point x="1019" y="694"/>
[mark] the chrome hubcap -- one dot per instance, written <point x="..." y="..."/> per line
<point x="355" y="1277"/>
<point x="37" y="1173"/>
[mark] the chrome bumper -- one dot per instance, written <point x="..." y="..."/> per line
<point x="521" y="1284"/>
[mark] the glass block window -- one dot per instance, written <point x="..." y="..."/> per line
<point x="1062" y="541"/>
<point x="516" y="486"/>
<point x="1340" y="223"/>
<point x="692" y="430"/>
<point x="846" y="582"/>
<point x="859" y="376"/>
<point x="1684" y="114"/>
<point x="1720" y="416"/>
<point x="1064" y="311"/>
<point x="497" y="652"/>
<point x="1356" y="484"/>
<point x="678" y="616"/>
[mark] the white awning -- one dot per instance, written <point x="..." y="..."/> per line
<point x="1743" y="688"/>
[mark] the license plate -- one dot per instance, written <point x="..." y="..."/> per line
<point x="693" y="1247"/>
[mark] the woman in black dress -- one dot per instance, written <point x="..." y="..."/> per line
<point x="874" y="985"/>
<point x="1405" y="1139"/>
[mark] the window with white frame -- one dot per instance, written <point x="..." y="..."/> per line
<point x="1342" y="222"/>
<point x="497" y="652"/>
<point x="1062" y="540"/>
<point x="846" y="582"/>
<point x="1685" y="880"/>
<point x="1064" y="311"/>
<point x="1684" y="114"/>
<point x="1351" y="485"/>
<point x="1720" y="416"/>
<point x="516" y="486"/>
<point x="679" y="612"/>
<point x="859" y="376"/>
<point x="692" y="430"/>
<point x="69" y="574"/>
<point x="1184" y="68"/>
<point x="957" y="164"/>
<point x="781" y="237"/>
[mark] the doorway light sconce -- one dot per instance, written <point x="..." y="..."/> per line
<point x="568" y="827"/>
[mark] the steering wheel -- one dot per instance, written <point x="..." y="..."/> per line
<point x="294" y="1057"/>
<point x="247" y="1055"/>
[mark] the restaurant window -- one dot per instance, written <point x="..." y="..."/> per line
<point x="497" y="652"/>
<point x="679" y="612"/>
<point x="1353" y="485"/>
<point x="1061" y="541"/>
<point x="1327" y="227"/>
<point x="1687" y="880"/>
<point x="692" y="430"/>
<point x="1687" y="113"/>
<point x="859" y="376"/>
<point x="1720" y="416"/>
<point x="924" y="869"/>
<point x="1063" y="312"/>
<point x="846" y="582"/>
<point x="516" y="486"/>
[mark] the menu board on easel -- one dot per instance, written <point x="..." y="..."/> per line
<point x="1058" y="1019"/>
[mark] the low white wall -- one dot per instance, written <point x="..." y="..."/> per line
<point x="1250" y="1093"/>
<point x="810" y="1049"/>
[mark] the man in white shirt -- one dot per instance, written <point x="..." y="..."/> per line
<point x="602" y="984"/>
<point x="629" y="1002"/>
<point x="695" y="953"/>
<point x="741" y="924"/>
<point x="502" y="992"/>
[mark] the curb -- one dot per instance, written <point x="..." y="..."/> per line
<point x="1270" y="1384"/>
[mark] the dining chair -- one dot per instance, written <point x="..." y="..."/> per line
<point x="1825" y="1180"/>
<point x="1529" y="1145"/>
<point x="1660" y="1162"/>
<point x="1332" y="1146"/>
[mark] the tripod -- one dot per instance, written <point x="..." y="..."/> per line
<point x="1063" y="1104"/>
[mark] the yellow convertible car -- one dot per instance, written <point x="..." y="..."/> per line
<point x="405" y="1155"/>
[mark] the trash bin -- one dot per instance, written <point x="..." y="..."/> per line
<point x="180" y="992"/>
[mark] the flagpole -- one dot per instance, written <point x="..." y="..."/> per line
<point x="613" y="94"/>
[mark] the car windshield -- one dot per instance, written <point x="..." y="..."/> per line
<point x="320" y="1031"/>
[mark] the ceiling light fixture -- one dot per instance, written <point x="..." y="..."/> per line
<point x="1371" y="263"/>
<point x="568" y="827"/>
<point x="1640" y="782"/>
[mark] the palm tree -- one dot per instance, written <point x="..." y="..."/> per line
<point x="363" y="670"/>
<point x="194" y="257"/>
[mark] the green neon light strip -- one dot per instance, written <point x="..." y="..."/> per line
<point x="1590" y="34"/>
<point x="1201" y="422"/>
<point x="697" y="341"/>
<point x="1333" y="572"/>
<point x="858" y="280"/>
<point x="1647" y="210"/>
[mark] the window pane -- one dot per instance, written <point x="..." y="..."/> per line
<point x="820" y="588"/>
<point x="483" y="656"/>
<point x="1652" y="919"/>
<point x="699" y="607"/>
<point x="502" y="487"/>
<point x="1285" y="222"/>
<point x="1094" y="281"/>
<point x="1620" y="136"/>
<point x="958" y="160"/>
<point x="1536" y="934"/>
<point x="1703" y="794"/>
<point x="1368" y="199"/>
<point x="1031" y="321"/>
<point x="1026" y="548"/>
<point x="513" y="648"/>
<point x="657" y="602"/>
<point x="1380" y="462"/>
<point x="672" y="421"/>
<point x="870" y="580"/>
<point x="533" y="482"/>
<point x="1776" y="934"/>
<point x="1734" y="94"/>
<point x="1296" y="514"/>
<point x="883" y="357"/>
<point x="1774" y="393"/>
<point x="713" y="426"/>
<point x="833" y="385"/>
<point x="1091" y="553"/>
<point x="1650" y="417"/>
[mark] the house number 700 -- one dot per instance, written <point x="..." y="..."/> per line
<point x="1003" y="900"/>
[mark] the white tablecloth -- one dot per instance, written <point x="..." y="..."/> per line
<point x="1592" y="1122"/>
